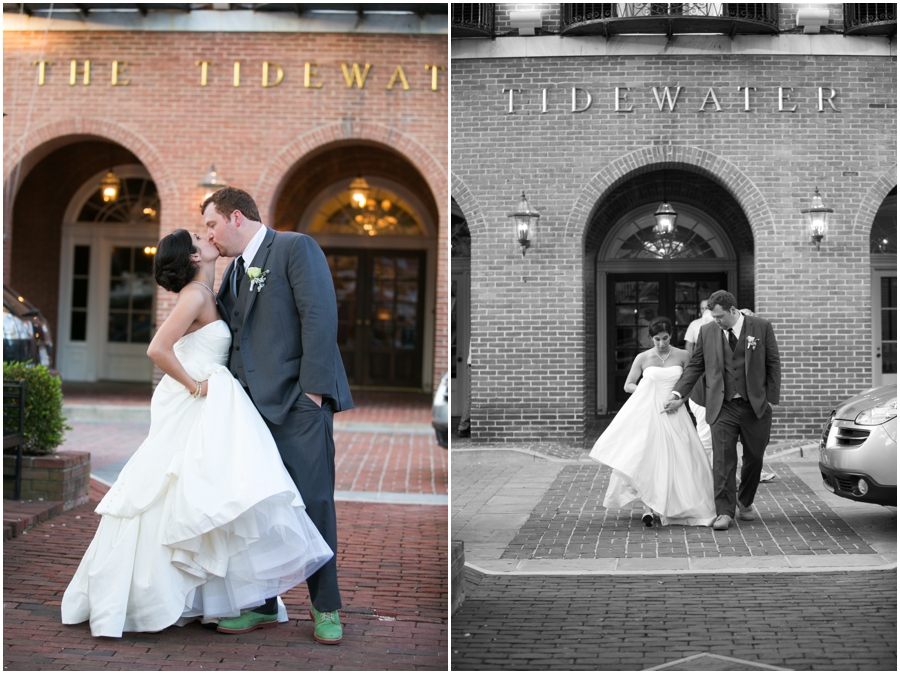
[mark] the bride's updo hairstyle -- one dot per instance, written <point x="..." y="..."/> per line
<point x="172" y="267"/>
<point x="660" y="324"/>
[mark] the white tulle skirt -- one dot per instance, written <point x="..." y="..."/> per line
<point x="204" y="520"/>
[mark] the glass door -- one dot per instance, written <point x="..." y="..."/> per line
<point x="633" y="301"/>
<point x="380" y="296"/>
<point x="884" y="328"/>
<point x="460" y="316"/>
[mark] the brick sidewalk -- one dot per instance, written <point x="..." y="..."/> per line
<point x="834" y="621"/>
<point x="392" y="564"/>
<point x="570" y="522"/>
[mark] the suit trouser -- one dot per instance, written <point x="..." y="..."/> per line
<point x="306" y="443"/>
<point x="737" y="419"/>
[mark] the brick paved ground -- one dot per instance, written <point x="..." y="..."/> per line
<point x="570" y="522"/>
<point x="393" y="572"/>
<point x="833" y="621"/>
<point x="392" y="564"/>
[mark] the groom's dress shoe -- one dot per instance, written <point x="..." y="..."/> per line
<point x="722" y="522"/>
<point x="328" y="626"/>
<point x="247" y="622"/>
<point x="748" y="514"/>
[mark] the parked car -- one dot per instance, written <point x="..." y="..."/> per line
<point x="440" y="411"/>
<point x="858" y="451"/>
<point x="26" y="333"/>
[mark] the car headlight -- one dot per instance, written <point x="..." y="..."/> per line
<point x="878" y="415"/>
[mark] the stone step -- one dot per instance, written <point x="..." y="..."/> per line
<point x="18" y="516"/>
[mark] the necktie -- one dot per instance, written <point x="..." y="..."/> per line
<point x="732" y="339"/>
<point x="238" y="274"/>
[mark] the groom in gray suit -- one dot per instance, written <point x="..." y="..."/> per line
<point x="737" y="356"/>
<point x="278" y="298"/>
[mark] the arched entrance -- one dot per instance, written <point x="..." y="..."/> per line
<point x="460" y="308"/>
<point x="373" y="215"/>
<point x="55" y="225"/>
<point x="636" y="274"/>
<point x="107" y="293"/>
<point x="883" y="251"/>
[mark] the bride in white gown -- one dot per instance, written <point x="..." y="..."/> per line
<point x="204" y="520"/>
<point x="657" y="458"/>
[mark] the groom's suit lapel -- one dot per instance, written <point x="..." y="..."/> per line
<point x="259" y="260"/>
<point x="223" y="289"/>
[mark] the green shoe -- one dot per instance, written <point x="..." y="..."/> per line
<point x="247" y="622"/>
<point x="328" y="626"/>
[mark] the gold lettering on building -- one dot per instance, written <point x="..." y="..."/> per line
<point x="265" y="75"/>
<point x="360" y="79"/>
<point x="710" y="94"/>
<point x="204" y="71"/>
<point x="668" y="97"/>
<point x="73" y="73"/>
<point x="237" y="73"/>
<point x="621" y="97"/>
<point x="782" y="99"/>
<point x="434" y="75"/>
<point x="398" y="72"/>
<point x="118" y="70"/>
<point x="747" y="91"/>
<point x="511" y="99"/>
<point x="42" y="70"/>
<point x="822" y="100"/>
<point x="590" y="99"/>
<point x="308" y="74"/>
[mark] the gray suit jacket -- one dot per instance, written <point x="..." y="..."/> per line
<point x="762" y="367"/>
<point x="288" y="335"/>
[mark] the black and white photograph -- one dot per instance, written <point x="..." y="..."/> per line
<point x="673" y="336"/>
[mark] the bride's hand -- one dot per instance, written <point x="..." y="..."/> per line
<point x="204" y="387"/>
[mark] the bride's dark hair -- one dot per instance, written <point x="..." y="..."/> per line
<point x="660" y="324"/>
<point x="173" y="267"/>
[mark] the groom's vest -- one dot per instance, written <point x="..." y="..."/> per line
<point x="236" y="314"/>
<point x="735" y="375"/>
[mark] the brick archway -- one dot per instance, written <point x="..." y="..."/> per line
<point x="648" y="159"/>
<point x="29" y="150"/>
<point x="865" y="214"/>
<point x="470" y="208"/>
<point x="280" y="168"/>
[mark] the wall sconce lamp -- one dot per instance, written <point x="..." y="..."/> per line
<point x="665" y="215"/>
<point x="525" y="221"/>
<point x="110" y="186"/>
<point x="211" y="181"/>
<point x="817" y="218"/>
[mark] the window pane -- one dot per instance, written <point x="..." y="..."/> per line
<point x="140" y="328"/>
<point x="118" y="294"/>
<point x="118" y="327"/>
<point x="82" y="260"/>
<point x="120" y="262"/>
<point x="79" y="293"/>
<point x="142" y="295"/>
<point x="143" y="263"/>
<point x="889" y="360"/>
<point x="78" y="333"/>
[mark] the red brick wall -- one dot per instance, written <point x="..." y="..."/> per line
<point x="529" y="326"/>
<point x="177" y="128"/>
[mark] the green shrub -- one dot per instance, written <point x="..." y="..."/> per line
<point x="44" y="423"/>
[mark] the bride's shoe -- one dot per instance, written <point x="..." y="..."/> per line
<point x="647" y="519"/>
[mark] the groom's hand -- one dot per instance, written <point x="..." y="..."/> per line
<point x="315" y="397"/>
<point x="673" y="403"/>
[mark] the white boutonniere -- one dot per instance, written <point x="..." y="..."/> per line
<point x="257" y="278"/>
<point x="751" y="342"/>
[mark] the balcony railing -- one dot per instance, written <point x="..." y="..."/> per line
<point x="870" y="19"/>
<point x="469" y="19"/>
<point x="668" y="18"/>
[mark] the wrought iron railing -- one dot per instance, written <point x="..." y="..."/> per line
<point x="870" y="18"/>
<point x="579" y="13"/>
<point x="470" y="19"/>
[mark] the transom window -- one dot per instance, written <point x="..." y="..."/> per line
<point x="379" y="213"/>
<point x="138" y="202"/>
<point x="693" y="238"/>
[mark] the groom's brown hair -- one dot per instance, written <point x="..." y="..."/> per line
<point x="722" y="298"/>
<point x="230" y="199"/>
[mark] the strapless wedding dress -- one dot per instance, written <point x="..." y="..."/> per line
<point x="204" y="520"/>
<point x="657" y="457"/>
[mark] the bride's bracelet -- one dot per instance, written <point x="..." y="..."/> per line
<point x="196" y="394"/>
